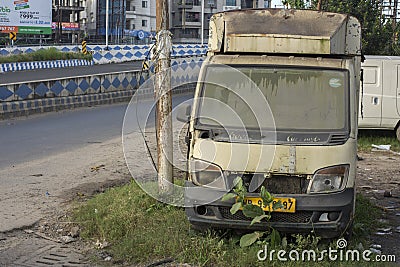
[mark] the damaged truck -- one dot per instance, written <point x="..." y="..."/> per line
<point x="277" y="105"/>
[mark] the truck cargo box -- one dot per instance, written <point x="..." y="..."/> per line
<point x="284" y="31"/>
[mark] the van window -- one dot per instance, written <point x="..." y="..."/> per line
<point x="370" y="75"/>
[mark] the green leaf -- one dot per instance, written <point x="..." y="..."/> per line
<point x="252" y="211"/>
<point x="238" y="183"/>
<point x="275" y="238"/>
<point x="277" y="205"/>
<point x="236" y="207"/>
<point x="239" y="188"/>
<point x="265" y="196"/>
<point x="284" y="242"/>
<point x="228" y="196"/>
<point x="258" y="219"/>
<point x="249" y="239"/>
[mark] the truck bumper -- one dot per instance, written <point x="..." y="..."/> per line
<point x="327" y="215"/>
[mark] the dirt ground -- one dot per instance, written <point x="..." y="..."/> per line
<point x="379" y="181"/>
<point x="35" y="229"/>
<point x="54" y="240"/>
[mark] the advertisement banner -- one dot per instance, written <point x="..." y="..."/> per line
<point x="25" y="16"/>
<point x="66" y="26"/>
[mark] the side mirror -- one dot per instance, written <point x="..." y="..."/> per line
<point x="183" y="113"/>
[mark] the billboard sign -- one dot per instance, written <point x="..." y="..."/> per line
<point x="66" y="26"/>
<point x="25" y="16"/>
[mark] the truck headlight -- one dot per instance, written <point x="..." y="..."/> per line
<point x="329" y="179"/>
<point x="206" y="174"/>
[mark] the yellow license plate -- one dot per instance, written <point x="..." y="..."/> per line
<point x="289" y="204"/>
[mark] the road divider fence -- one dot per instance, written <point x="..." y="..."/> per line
<point x="101" y="55"/>
<point x="25" y="98"/>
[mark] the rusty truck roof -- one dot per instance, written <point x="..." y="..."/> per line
<point x="285" y="31"/>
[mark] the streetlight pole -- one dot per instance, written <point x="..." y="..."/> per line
<point x="107" y="7"/>
<point x="202" y="22"/>
<point x="59" y="23"/>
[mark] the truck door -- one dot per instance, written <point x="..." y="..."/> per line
<point x="372" y="95"/>
<point x="398" y="90"/>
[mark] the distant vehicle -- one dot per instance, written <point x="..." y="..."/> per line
<point x="380" y="97"/>
<point x="303" y="67"/>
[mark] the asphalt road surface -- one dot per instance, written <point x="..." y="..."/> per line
<point x="53" y="74"/>
<point x="24" y="139"/>
<point x="29" y="138"/>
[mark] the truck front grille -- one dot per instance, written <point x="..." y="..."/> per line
<point x="277" y="184"/>
<point x="297" y="217"/>
<point x="282" y="184"/>
<point x="338" y="139"/>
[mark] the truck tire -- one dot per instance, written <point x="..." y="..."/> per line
<point x="398" y="132"/>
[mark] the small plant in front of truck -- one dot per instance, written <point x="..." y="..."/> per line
<point x="254" y="211"/>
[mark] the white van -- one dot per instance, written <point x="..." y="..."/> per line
<point x="380" y="94"/>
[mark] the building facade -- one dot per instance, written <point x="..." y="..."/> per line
<point x="187" y="17"/>
<point x="141" y="15"/>
<point x="66" y="19"/>
<point x="116" y="20"/>
<point x="127" y="18"/>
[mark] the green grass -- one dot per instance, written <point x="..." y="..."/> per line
<point x="377" y="137"/>
<point x="143" y="231"/>
<point x="366" y="219"/>
<point x="43" y="55"/>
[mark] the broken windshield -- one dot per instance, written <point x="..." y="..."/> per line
<point x="265" y="97"/>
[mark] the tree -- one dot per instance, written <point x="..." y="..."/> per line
<point x="377" y="31"/>
<point x="299" y="4"/>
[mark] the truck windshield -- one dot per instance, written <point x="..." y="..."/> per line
<point x="299" y="99"/>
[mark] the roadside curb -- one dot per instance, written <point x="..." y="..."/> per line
<point x="28" y="107"/>
<point x="34" y="106"/>
<point x="18" y="66"/>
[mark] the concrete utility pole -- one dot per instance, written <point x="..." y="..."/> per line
<point x="162" y="57"/>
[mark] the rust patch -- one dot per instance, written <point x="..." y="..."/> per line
<point x="282" y="21"/>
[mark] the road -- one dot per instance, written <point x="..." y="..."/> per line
<point x="30" y="138"/>
<point x="25" y="139"/>
<point x="53" y="74"/>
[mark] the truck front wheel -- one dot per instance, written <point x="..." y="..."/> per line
<point x="398" y="132"/>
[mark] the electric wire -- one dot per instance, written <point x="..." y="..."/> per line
<point x="137" y="116"/>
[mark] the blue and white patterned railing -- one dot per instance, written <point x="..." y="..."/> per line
<point x="190" y="48"/>
<point x="101" y="55"/>
<point x="50" y="95"/>
<point x="182" y="71"/>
